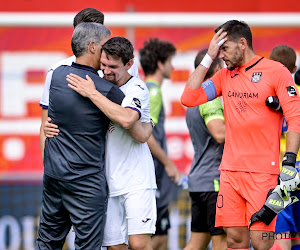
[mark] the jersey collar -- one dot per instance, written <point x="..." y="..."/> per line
<point x="251" y="63"/>
<point x="84" y="67"/>
<point x="149" y="80"/>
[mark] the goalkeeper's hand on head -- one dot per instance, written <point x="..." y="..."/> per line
<point x="288" y="178"/>
<point x="274" y="204"/>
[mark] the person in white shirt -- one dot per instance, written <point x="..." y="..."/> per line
<point x="130" y="173"/>
<point x="84" y="16"/>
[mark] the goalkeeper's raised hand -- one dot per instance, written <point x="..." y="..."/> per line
<point x="289" y="177"/>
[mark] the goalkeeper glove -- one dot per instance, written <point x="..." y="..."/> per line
<point x="273" y="102"/>
<point x="274" y="204"/>
<point x="288" y="178"/>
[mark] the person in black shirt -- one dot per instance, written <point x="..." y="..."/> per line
<point x="74" y="185"/>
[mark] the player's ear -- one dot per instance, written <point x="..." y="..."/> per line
<point x="294" y="70"/>
<point x="92" y="47"/>
<point x="129" y="64"/>
<point x="243" y="43"/>
<point x="160" y="65"/>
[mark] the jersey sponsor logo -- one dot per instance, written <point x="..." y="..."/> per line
<point x="291" y="91"/>
<point x="234" y="75"/>
<point x="242" y="94"/>
<point x="146" y="220"/>
<point x="256" y="77"/>
<point x="241" y="106"/>
<point x="136" y="102"/>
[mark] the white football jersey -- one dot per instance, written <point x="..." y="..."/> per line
<point x="134" y="71"/>
<point x="129" y="164"/>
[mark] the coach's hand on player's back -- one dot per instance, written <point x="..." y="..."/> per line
<point x="218" y="40"/>
<point x="50" y="129"/>
<point x="84" y="87"/>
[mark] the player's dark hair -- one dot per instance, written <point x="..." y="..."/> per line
<point x="88" y="15"/>
<point x="119" y="47"/>
<point x="155" y="51"/>
<point x="285" y="55"/>
<point x="297" y="77"/>
<point x="237" y="29"/>
<point x="212" y="67"/>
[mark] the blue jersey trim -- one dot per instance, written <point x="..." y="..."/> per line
<point x="44" y="106"/>
<point x="210" y="89"/>
<point x="134" y="109"/>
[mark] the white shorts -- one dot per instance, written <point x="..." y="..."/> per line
<point x="129" y="214"/>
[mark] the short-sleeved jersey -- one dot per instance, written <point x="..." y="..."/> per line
<point x="252" y="129"/>
<point x="44" y="103"/>
<point x="78" y="150"/>
<point x="157" y="114"/>
<point x="204" y="175"/>
<point x="129" y="164"/>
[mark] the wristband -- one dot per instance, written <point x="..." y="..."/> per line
<point x="221" y="42"/>
<point x="289" y="159"/>
<point x="206" y="61"/>
<point x="265" y="215"/>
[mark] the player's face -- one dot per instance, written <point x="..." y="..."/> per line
<point x="113" y="69"/>
<point x="231" y="54"/>
<point x="167" y="68"/>
<point x="98" y="50"/>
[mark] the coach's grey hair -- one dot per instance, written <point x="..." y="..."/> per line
<point x="85" y="33"/>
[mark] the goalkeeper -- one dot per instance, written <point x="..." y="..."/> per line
<point x="250" y="162"/>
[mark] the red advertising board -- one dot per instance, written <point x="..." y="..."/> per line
<point x="26" y="53"/>
<point x="154" y="5"/>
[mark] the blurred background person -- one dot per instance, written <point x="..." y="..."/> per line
<point x="156" y="57"/>
<point x="207" y="130"/>
<point x="288" y="220"/>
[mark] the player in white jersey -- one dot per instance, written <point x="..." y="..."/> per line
<point x="85" y="15"/>
<point x="130" y="170"/>
<point x="129" y="164"/>
<point x="130" y="176"/>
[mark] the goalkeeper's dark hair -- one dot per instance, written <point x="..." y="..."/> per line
<point x="236" y="30"/>
<point x="155" y="51"/>
<point x="212" y="67"/>
<point x="88" y="15"/>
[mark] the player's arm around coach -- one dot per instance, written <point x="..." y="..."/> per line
<point x="126" y="117"/>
